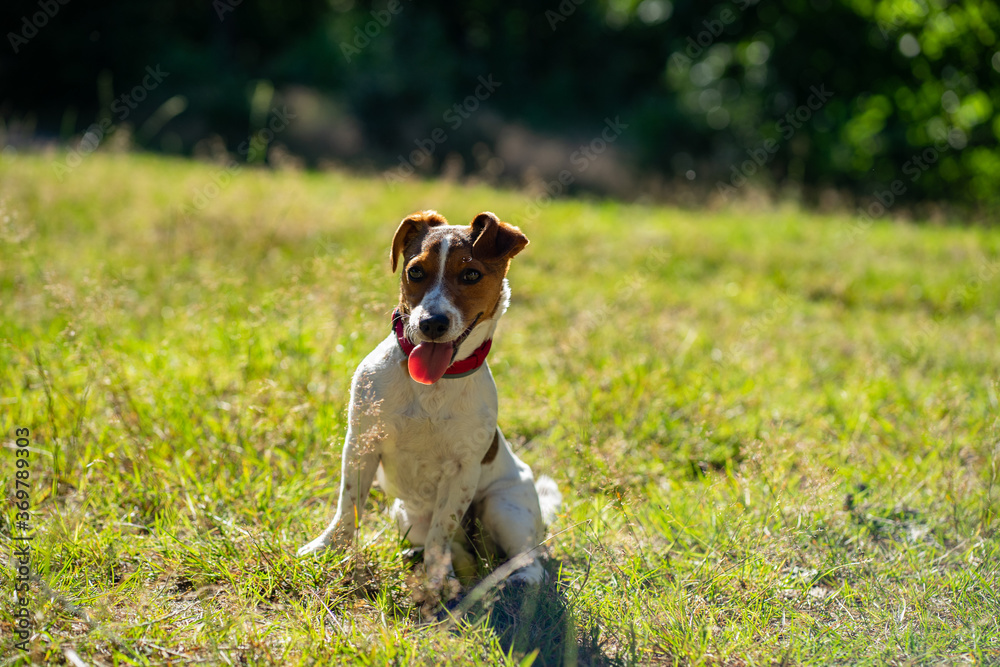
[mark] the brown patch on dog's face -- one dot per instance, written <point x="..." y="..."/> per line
<point x="411" y="232"/>
<point x="470" y="277"/>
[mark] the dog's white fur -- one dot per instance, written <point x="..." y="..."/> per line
<point x="426" y="444"/>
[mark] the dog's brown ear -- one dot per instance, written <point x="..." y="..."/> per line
<point x="408" y="229"/>
<point x="494" y="239"/>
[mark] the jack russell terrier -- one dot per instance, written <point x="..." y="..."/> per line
<point x="423" y="411"/>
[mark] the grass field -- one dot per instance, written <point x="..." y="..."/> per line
<point x="777" y="433"/>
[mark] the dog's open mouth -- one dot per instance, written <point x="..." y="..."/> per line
<point x="429" y="361"/>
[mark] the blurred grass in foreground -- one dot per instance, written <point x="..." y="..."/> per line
<point x="778" y="440"/>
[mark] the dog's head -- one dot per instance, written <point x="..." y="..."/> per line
<point x="452" y="281"/>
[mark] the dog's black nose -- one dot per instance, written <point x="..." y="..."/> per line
<point x="434" y="326"/>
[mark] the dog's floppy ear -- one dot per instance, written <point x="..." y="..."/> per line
<point x="414" y="224"/>
<point x="494" y="239"/>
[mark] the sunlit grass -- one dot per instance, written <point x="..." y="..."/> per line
<point x="776" y="441"/>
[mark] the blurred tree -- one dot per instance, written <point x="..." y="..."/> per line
<point x="848" y="93"/>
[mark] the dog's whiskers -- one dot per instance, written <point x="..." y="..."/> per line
<point x="410" y="331"/>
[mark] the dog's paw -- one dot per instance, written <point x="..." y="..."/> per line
<point x="429" y="593"/>
<point x="529" y="575"/>
<point x="316" y="547"/>
<point x="447" y="588"/>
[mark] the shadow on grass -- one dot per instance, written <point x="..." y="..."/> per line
<point x="526" y="619"/>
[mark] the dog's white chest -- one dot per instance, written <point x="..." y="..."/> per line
<point x="437" y="430"/>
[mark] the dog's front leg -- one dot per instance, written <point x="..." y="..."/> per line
<point x="358" y="465"/>
<point x="454" y="495"/>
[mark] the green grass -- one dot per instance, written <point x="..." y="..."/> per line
<point x="777" y="440"/>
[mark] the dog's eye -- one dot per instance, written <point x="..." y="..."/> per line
<point x="415" y="273"/>
<point x="471" y="276"/>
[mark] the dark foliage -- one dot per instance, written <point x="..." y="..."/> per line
<point x="892" y="99"/>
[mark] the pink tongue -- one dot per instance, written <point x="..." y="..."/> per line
<point x="429" y="361"/>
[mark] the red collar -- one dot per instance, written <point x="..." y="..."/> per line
<point x="458" y="369"/>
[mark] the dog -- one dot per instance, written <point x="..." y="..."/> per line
<point x="423" y="409"/>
